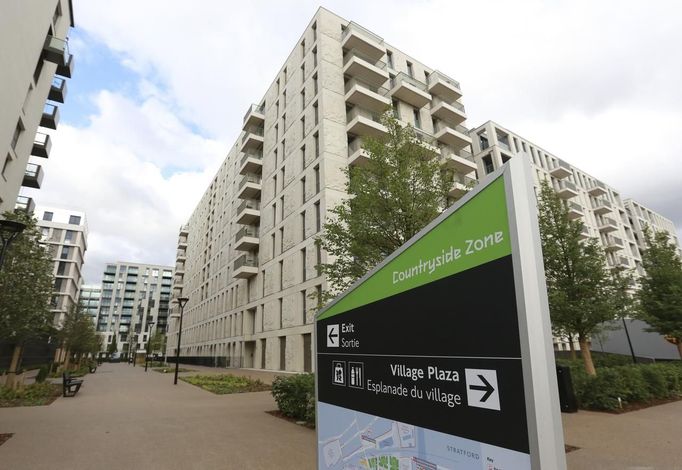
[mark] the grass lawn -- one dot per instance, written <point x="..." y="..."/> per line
<point x="30" y="395"/>
<point x="224" y="383"/>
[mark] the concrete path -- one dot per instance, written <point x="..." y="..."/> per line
<point x="124" y="418"/>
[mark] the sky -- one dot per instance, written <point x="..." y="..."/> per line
<point x="160" y="88"/>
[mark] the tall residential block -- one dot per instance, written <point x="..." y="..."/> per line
<point x="617" y="223"/>
<point x="250" y="257"/>
<point x="36" y="63"/>
<point x="134" y="303"/>
<point x="89" y="299"/>
<point x="65" y="232"/>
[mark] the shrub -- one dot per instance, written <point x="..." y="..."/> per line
<point x="31" y="395"/>
<point x="225" y="383"/>
<point x="42" y="373"/>
<point x="295" y="396"/>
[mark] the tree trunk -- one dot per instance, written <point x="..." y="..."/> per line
<point x="587" y="356"/>
<point x="67" y="359"/>
<point x="679" y="347"/>
<point x="572" y="347"/>
<point x="10" y="382"/>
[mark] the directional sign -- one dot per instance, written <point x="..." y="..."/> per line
<point x="418" y="364"/>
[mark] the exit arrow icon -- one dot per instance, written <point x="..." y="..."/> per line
<point x="486" y="387"/>
<point x="332" y="336"/>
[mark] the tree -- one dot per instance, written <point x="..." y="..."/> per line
<point x="157" y="342"/>
<point x="660" y="294"/>
<point x="396" y="193"/>
<point x="25" y="289"/>
<point x="113" y="346"/>
<point x="582" y="293"/>
<point x="78" y="335"/>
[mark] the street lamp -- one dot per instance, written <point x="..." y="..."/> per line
<point x="150" y="325"/>
<point x="9" y="230"/>
<point x="130" y="344"/>
<point x="182" y="301"/>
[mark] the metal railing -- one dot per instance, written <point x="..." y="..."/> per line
<point x="425" y="137"/>
<point x="403" y="77"/>
<point x="440" y="125"/>
<point x="438" y="75"/>
<point x="247" y="231"/>
<point x="373" y="88"/>
<point x="357" y="111"/>
<point x="248" y="204"/>
<point x="575" y="206"/>
<point x="454" y="104"/>
<point x="465" y="180"/>
<point x="246" y="260"/>
<point x="601" y="202"/>
<point x="598" y="184"/>
<point x="25" y="203"/>
<point x="252" y="154"/>
<point x="252" y="130"/>
<point x="608" y="221"/>
<point x="380" y="64"/>
<point x="254" y="108"/>
<point x="249" y="178"/>
<point x="354" y="27"/>
<point x="354" y="146"/>
<point x="562" y="164"/>
<point x="55" y="44"/>
<point x="568" y="185"/>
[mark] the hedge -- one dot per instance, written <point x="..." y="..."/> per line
<point x="295" y="396"/>
<point x="639" y="383"/>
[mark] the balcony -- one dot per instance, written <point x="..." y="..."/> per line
<point x="462" y="163"/>
<point x="248" y="212"/>
<point x="457" y="137"/>
<point x="461" y="186"/>
<point x="65" y="70"/>
<point x="597" y="189"/>
<point x="613" y="244"/>
<point x="409" y="90"/>
<point x="33" y="176"/>
<point x="246" y="266"/>
<point x="441" y="85"/>
<point x="601" y="206"/>
<point x="252" y="162"/>
<point x="180" y="255"/>
<point x="356" y="37"/>
<point x="355" y="65"/>
<point x="182" y="242"/>
<point x="561" y="170"/>
<point x="452" y="113"/>
<point x="50" y="117"/>
<point x="184" y="230"/>
<point x="567" y="190"/>
<point x="57" y="90"/>
<point x="607" y="225"/>
<point x="56" y="50"/>
<point x="249" y="186"/>
<point x="584" y="233"/>
<point x="252" y="138"/>
<point x="362" y="122"/>
<point x="426" y="140"/>
<point x="367" y="96"/>
<point x="619" y="262"/>
<point x="26" y="204"/>
<point x="575" y="210"/>
<point x="255" y="116"/>
<point x="247" y="238"/>
<point x="41" y="145"/>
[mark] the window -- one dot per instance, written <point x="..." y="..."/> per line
<point x="278" y="92"/>
<point x="302" y="156"/>
<point x="70" y="236"/>
<point x="318" y="218"/>
<point x="314" y="28"/>
<point x="285" y="80"/>
<point x="417" y="119"/>
<point x="48" y="215"/>
<point x="316" y="113"/>
<point x="272" y="237"/>
<point x="488" y="164"/>
<point x="396" y="110"/>
<point x="281" y="206"/>
<point x="62" y="269"/>
<point x="8" y="160"/>
<point x="410" y="71"/>
<point x="316" y="137"/>
<point x="318" y="259"/>
<point x="284" y="155"/>
<point x="317" y="178"/>
<point x="389" y="58"/>
<point x="303" y="225"/>
<point x="274" y="184"/>
<point x="303" y="47"/>
<point x="281" y="240"/>
<point x="281" y="275"/>
<point x="284" y="123"/>
<point x="303" y="190"/>
<point x="303" y="126"/>
<point x="74" y="219"/>
<point x="17" y="133"/>
<point x="303" y="307"/>
<point x="302" y="100"/>
<point x="66" y="252"/>
<point x="284" y="99"/>
<point x="302" y="72"/>
<point x="315" y="84"/>
<point x="315" y="57"/>
<point x="426" y="76"/>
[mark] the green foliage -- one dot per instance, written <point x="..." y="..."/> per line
<point x="660" y="294"/>
<point x="42" y="373"/>
<point x="600" y="359"/>
<point x="113" y="346"/>
<point x="633" y="384"/>
<point x="224" y="383"/>
<point x="391" y="198"/>
<point x="78" y="332"/>
<point x="31" y="395"/>
<point x="25" y="286"/>
<point x="295" y="396"/>
<point x="157" y="342"/>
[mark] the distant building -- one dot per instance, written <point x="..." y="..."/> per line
<point x="133" y="296"/>
<point x="65" y="232"/>
<point x="36" y="61"/>
<point x="89" y="300"/>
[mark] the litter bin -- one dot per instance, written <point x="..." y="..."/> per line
<point x="567" y="400"/>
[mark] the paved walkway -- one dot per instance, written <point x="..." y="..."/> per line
<point x="124" y="418"/>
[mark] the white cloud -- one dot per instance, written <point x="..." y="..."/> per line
<point x="596" y="83"/>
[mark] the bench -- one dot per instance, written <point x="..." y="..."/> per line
<point x="70" y="385"/>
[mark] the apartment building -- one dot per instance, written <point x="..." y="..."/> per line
<point x="65" y="232"/>
<point x="134" y="303"/>
<point x="617" y="223"/>
<point x="248" y="254"/>
<point x="37" y="63"/>
<point x="89" y="299"/>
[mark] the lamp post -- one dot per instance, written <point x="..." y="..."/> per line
<point x="149" y="340"/>
<point x="130" y="345"/>
<point x="182" y="301"/>
<point x="9" y="230"/>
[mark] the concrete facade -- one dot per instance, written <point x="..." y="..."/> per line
<point x="37" y="62"/>
<point x="65" y="232"/>
<point x="133" y="295"/>
<point x="250" y="256"/>
<point x="617" y="223"/>
<point x="89" y="299"/>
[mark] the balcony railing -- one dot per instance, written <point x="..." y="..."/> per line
<point x="252" y="154"/>
<point x="352" y="26"/>
<point x="380" y="64"/>
<point x="254" y="108"/>
<point x="252" y="130"/>
<point x="246" y="260"/>
<point x="50" y="116"/>
<point x="248" y="204"/>
<point x="454" y="104"/>
<point x="436" y="75"/>
<point x="383" y="91"/>
<point x="601" y="203"/>
<point x="56" y="50"/>
<point x="57" y="90"/>
<point x="25" y="203"/>
<point x="247" y="231"/>
<point x="403" y="77"/>
<point x="465" y="180"/>
<point x="250" y="178"/>
<point x="357" y="111"/>
<point x="41" y="145"/>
